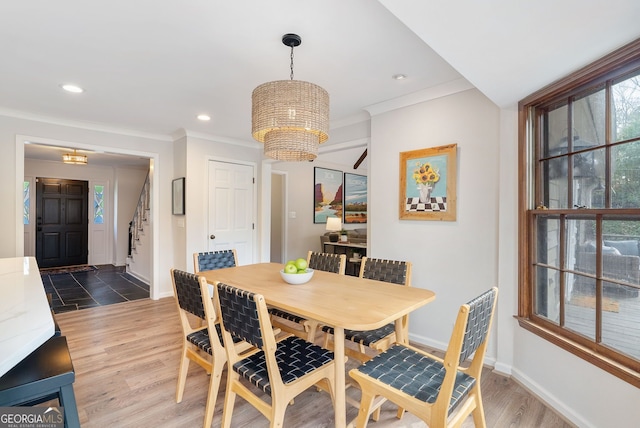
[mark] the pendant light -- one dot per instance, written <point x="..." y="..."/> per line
<point x="291" y="117"/>
<point x="74" y="158"/>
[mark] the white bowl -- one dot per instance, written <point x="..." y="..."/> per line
<point x="297" y="278"/>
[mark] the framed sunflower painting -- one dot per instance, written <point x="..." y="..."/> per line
<point x="428" y="184"/>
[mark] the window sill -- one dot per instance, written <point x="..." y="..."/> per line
<point x="616" y="369"/>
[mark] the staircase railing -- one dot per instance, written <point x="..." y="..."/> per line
<point x="140" y="216"/>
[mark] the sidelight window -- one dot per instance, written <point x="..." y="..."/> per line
<point x="98" y="204"/>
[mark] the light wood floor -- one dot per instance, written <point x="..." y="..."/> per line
<point x="126" y="359"/>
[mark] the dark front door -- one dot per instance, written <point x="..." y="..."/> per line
<point x="61" y="222"/>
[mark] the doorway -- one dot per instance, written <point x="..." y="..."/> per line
<point x="61" y="222"/>
<point x="278" y="216"/>
<point x="111" y="155"/>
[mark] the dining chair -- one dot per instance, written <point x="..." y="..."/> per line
<point x="211" y="260"/>
<point x="196" y="307"/>
<point x="281" y="369"/>
<point x="380" y="339"/>
<point x="441" y="392"/>
<point x="302" y="327"/>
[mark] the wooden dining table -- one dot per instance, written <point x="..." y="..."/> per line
<point x="340" y="301"/>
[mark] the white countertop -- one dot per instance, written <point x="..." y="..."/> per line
<point x="25" y="317"/>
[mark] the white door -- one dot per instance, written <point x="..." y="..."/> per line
<point x="231" y="211"/>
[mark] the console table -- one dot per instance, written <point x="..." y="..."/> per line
<point x="353" y="263"/>
<point x="26" y="321"/>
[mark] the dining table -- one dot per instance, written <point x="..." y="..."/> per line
<point x="340" y="301"/>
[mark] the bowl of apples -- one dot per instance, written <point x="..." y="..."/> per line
<point x="296" y="272"/>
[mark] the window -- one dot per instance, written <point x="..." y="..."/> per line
<point x="98" y="204"/>
<point x="26" y="202"/>
<point x="580" y="208"/>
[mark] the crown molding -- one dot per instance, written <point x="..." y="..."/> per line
<point x="89" y="126"/>
<point x="185" y="133"/>
<point x="360" y="117"/>
<point x="346" y="145"/>
<point x="449" y="88"/>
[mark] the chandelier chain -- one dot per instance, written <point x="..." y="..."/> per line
<point x="291" y="62"/>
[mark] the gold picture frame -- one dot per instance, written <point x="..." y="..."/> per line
<point x="428" y="184"/>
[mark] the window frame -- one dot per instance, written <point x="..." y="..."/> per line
<point x="597" y="74"/>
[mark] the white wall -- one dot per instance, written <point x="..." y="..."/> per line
<point x="507" y="239"/>
<point x="588" y="396"/>
<point x="14" y="130"/>
<point x="457" y="260"/>
<point x="179" y="222"/>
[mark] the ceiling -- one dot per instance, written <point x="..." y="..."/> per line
<point x="151" y="67"/>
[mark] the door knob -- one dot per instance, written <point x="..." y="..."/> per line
<point x="212" y="236"/>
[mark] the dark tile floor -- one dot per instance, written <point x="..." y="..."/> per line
<point x="104" y="286"/>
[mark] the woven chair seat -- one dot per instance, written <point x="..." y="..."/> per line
<point x="365" y="338"/>
<point x="415" y="374"/>
<point x="200" y="338"/>
<point x="286" y="315"/>
<point x="296" y="357"/>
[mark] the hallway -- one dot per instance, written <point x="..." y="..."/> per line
<point x="105" y="285"/>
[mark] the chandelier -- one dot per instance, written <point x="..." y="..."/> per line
<point x="74" y="158"/>
<point x="291" y="117"/>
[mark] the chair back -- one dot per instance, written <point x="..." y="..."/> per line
<point x="470" y="334"/>
<point x="334" y="263"/>
<point x="395" y="272"/>
<point x="239" y="314"/>
<point x="212" y="260"/>
<point x="477" y="323"/>
<point x="440" y="392"/>
<point x="187" y="289"/>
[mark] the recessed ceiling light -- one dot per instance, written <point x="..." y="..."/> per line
<point x="204" y="117"/>
<point x="399" y="76"/>
<point x="72" y="88"/>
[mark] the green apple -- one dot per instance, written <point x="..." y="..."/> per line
<point x="290" y="268"/>
<point x="301" y="264"/>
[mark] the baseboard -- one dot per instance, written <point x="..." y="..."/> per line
<point x="556" y="405"/>
<point x="163" y="295"/>
<point x="139" y="277"/>
<point x="425" y="341"/>
<point x="503" y="369"/>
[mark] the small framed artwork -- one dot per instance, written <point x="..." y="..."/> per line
<point x="428" y="184"/>
<point x="355" y="198"/>
<point x="177" y="196"/>
<point x="327" y="194"/>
